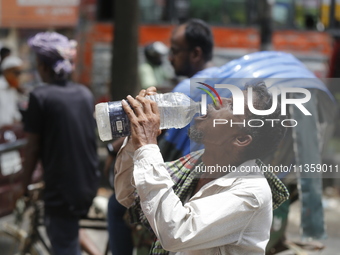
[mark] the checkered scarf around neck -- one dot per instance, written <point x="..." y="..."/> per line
<point x="55" y="50"/>
<point x="185" y="179"/>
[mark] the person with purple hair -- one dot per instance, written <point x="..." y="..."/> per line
<point x="61" y="133"/>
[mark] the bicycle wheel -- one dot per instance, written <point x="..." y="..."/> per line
<point x="9" y="245"/>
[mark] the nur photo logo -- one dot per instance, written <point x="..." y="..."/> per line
<point x="239" y="103"/>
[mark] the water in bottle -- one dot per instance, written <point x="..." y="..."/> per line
<point x="176" y="111"/>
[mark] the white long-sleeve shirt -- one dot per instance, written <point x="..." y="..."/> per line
<point x="229" y="215"/>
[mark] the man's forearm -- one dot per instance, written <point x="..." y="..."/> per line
<point x="125" y="191"/>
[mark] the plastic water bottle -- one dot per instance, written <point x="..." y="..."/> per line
<point x="176" y="111"/>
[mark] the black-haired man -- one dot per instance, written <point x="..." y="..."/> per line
<point x="190" y="55"/>
<point x="191" y="48"/>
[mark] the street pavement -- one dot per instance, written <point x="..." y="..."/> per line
<point x="332" y="222"/>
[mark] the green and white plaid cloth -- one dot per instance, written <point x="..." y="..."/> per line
<point x="185" y="178"/>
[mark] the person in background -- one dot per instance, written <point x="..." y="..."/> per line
<point x="9" y="95"/>
<point x="154" y="72"/>
<point x="190" y="55"/>
<point x="61" y="133"/>
<point x="4" y="53"/>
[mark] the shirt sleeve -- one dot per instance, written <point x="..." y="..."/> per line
<point x="34" y="116"/>
<point x="123" y="182"/>
<point x="223" y="215"/>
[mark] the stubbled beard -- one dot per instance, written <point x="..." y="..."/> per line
<point x="195" y="135"/>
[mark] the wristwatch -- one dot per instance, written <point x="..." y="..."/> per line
<point x="111" y="150"/>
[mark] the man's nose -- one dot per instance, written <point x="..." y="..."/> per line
<point x="226" y="101"/>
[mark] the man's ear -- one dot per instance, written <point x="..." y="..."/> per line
<point x="197" y="54"/>
<point x="243" y="140"/>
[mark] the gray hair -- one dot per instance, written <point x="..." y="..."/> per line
<point x="265" y="138"/>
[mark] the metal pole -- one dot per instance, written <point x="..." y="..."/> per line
<point x="332" y="15"/>
<point x="266" y="24"/>
<point x="124" y="70"/>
